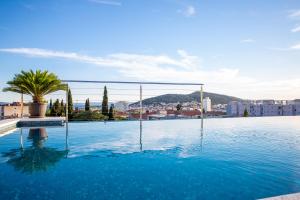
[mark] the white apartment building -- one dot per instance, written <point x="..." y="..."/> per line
<point x="255" y="110"/>
<point x="207" y="104"/>
<point x="242" y="107"/>
<point x="232" y="109"/>
<point x="297" y="109"/>
<point x="264" y="108"/>
<point x="237" y="109"/>
<point x="288" y="110"/>
<point x="271" y="109"/>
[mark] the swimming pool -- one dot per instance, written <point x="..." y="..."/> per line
<point x="241" y="158"/>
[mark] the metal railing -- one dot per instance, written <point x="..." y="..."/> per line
<point x="140" y="83"/>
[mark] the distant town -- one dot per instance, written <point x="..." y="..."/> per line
<point x="156" y="111"/>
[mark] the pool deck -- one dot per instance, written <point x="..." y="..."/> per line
<point x="295" y="196"/>
<point x="8" y="124"/>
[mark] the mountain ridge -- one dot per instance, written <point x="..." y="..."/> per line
<point x="195" y="96"/>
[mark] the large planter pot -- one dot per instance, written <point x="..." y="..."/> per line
<point x="37" y="110"/>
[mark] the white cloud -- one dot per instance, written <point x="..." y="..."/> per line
<point x="295" y="47"/>
<point x="183" y="68"/>
<point x="188" y="11"/>
<point x="107" y="2"/>
<point x="294" y="14"/>
<point x="296" y="29"/>
<point x="248" y="40"/>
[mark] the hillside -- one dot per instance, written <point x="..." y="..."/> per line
<point x="195" y="96"/>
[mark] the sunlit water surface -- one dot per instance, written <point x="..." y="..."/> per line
<point x="243" y="158"/>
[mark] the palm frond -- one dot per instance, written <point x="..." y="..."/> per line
<point x="37" y="84"/>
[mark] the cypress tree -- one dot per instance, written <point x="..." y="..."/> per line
<point x="246" y="114"/>
<point x="105" y="102"/>
<point x="111" y="113"/>
<point x="70" y="102"/>
<point x="56" y="108"/>
<point x="178" y="107"/>
<point x="50" y="104"/>
<point x="87" y="105"/>
<point x="62" y="108"/>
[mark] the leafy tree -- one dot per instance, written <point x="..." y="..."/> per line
<point x="87" y="105"/>
<point x="111" y="113"/>
<point x="246" y="114"/>
<point x="37" y="84"/>
<point x="105" y="102"/>
<point x="70" y="102"/>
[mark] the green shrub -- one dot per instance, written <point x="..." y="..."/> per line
<point x="88" y="116"/>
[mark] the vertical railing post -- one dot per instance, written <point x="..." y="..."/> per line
<point x="21" y="138"/>
<point x="141" y="135"/>
<point x="141" y="104"/>
<point x="67" y="138"/>
<point x="22" y="105"/>
<point x="67" y="105"/>
<point x="67" y="119"/>
<point x="201" y="106"/>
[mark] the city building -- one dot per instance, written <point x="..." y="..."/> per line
<point x="255" y="110"/>
<point x="288" y="110"/>
<point x="232" y="109"/>
<point x="263" y="108"/>
<point x="271" y="109"/>
<point x="207" y="104"/>
<point x="13" y="110"/>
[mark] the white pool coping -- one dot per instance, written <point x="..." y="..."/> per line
<point x="294" y="196"/>
<point x="8" y="124"/>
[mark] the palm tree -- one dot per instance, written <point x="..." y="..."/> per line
<point x="36" y="84"/>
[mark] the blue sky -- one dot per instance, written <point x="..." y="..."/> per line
<point x="248" y="48"/>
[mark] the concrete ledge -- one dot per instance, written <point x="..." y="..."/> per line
<point x="295" y="196"/>
<point x="8" y="124"/>
<point x="48" y="121"/>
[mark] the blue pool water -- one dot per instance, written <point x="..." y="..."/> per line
<point x="243" y="158"/>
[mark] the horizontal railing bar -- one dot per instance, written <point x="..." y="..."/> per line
<point x="146" y="89"/>
<point x="130" y="82"/>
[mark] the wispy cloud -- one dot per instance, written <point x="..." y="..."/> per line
<point x="295" y="47"/>
<point x="107" y="2"/>
<point x="119" y="60"/>
<point x="294" y="14"/>
<point x="296" y="29"/>
<point x="248" y="40"/>
<point x="188" y="11"/>
<point x="184" y="67"/>
<point x="139" y="66"/>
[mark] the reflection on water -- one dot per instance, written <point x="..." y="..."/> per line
<point x="141" y="136"/>
<point x="36" y="157"/>
<point x="39" y="157"/>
